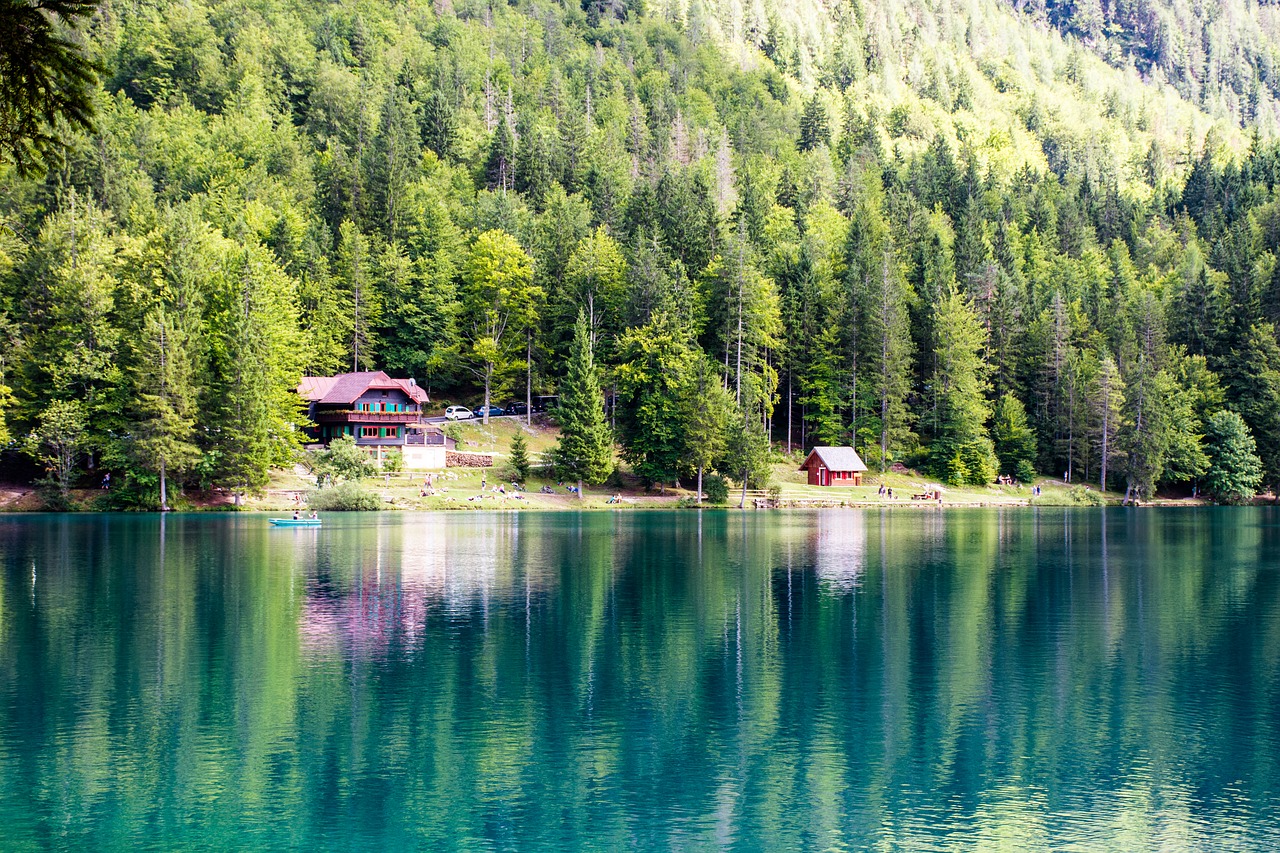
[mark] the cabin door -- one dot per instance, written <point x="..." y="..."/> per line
<point x="824" y="477"/>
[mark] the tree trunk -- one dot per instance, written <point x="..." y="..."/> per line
<point x="790" y="406"/>
<point x="1106" y="417"/>
<point x="528" y="378"/>
<point x="488" y="379"/>
<point x="579" y="488"/>
<point x="164" y="501"/>
<point x="742" y="502"/>
<point x="699" y="484"/>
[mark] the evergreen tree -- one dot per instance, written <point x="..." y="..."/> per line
<point x="1235" y="471"/>
<point x="815" y="129"/>
<point x="1108" y="409"/>
<point x="1015" y="443"/>
<point x="439" y="125"/>
<point x="166" y="401"/>
<point x="654" y="362"/>
<point x="961" y="452"/>
<point x="250" y="403"/>
<point x="584" y="451"/>
<point x="361" y="303"/>
<point x="519" y="459"/>
<point x="47" y="79"/>
<point x="500" y="169"/>
<point x="886" y="362"/>
<point x="705" y="410"/>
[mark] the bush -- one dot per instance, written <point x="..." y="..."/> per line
<point x="1087" y="497"/>
<point x="392" y="462"/>
<point x="1025" y="471"/>
<point x="716" y="488"/>
<point x="344" y="497"/>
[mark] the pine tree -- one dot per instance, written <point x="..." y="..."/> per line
<point x="960" y="382"/>
<point x="361" y="302"/>
<point x="815" y="129"/>
<point x="47" y="80"/>
<point x="250" y="401"/>
<point x="1235" y="472"/>
<point x="1108" y="405"/>
<point x="886" y="362"/>
<point x="585" y="448"/>
<point x="1015" y="443"/>
<point x="500" y="168"/>
<point x="439" y="125"/>
<point x="704" y="412"/>
<point x="166" y="401"/>
<point x="519" y="458"/>
<point x="654" y="361"/>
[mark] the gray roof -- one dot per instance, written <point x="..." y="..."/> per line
<point x="836" y="459"/>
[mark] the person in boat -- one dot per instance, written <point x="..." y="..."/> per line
<point x="296" y="515"/>
<point x="313" y="516"/>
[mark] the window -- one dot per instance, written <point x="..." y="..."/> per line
<point x="369" y="432"/>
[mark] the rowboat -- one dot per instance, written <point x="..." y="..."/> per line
<point x="294" y="522"/>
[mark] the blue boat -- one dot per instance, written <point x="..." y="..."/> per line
<point x="294" y="522"/>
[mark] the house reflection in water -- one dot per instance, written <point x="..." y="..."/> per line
<point x="380" y="598"/>
<point x="840" y="549"/>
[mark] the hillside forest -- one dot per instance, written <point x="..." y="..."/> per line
<point x="972" y="238"/>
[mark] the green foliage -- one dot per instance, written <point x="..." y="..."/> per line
<point x="653" y="362"/>
<point x="1015" y="443"/>
<point x="342" y="461"/>
<point x="58" y="442"/>
<point x="392" y="462"/>
<point x="348" y="496"/>
<point x="519" y="459"/>
<point x="716" y="489"/>
<point x="47" y="80"/>
<point x="499" y="302"/>
<point x="961" y="452"/>
<point x="439" y="194"/>
<point x="1235" y="471"/>
<point x="585" y="448"/>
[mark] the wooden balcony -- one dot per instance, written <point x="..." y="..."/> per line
<point x="367" y="417"/>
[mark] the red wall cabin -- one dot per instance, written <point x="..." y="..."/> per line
<point x="833" y="466"/>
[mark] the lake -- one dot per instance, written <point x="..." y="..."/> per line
<point x="1017" y="679"/>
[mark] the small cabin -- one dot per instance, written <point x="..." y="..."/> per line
<point x="833" y="466"/>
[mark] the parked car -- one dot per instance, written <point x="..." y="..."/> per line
<point x="494" y="411"/>
<point x="458" y="413"/>
<point x="517" y="409"/>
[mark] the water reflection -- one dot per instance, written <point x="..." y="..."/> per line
<point x="904" y="680"/>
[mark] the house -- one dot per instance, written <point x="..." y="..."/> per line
<point x="833" y="466"/>
<point x="379" y="412"/>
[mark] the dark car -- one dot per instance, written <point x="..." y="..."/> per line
<point x="494" y="411"/>
<point x="517" y="409"/>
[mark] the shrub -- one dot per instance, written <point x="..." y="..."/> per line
<point x="1025" y="471"/>
<point x="392" y="462"/>
<point x="344" y="497"/>
<point x="716" y="488"/>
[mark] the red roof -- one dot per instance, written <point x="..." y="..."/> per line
<point x="346" y="388"/>
<point x="835" y="459"/>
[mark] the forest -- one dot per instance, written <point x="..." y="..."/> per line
<point x="974" y="239"/>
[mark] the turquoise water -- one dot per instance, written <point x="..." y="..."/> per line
<point x="913" y="680"/>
